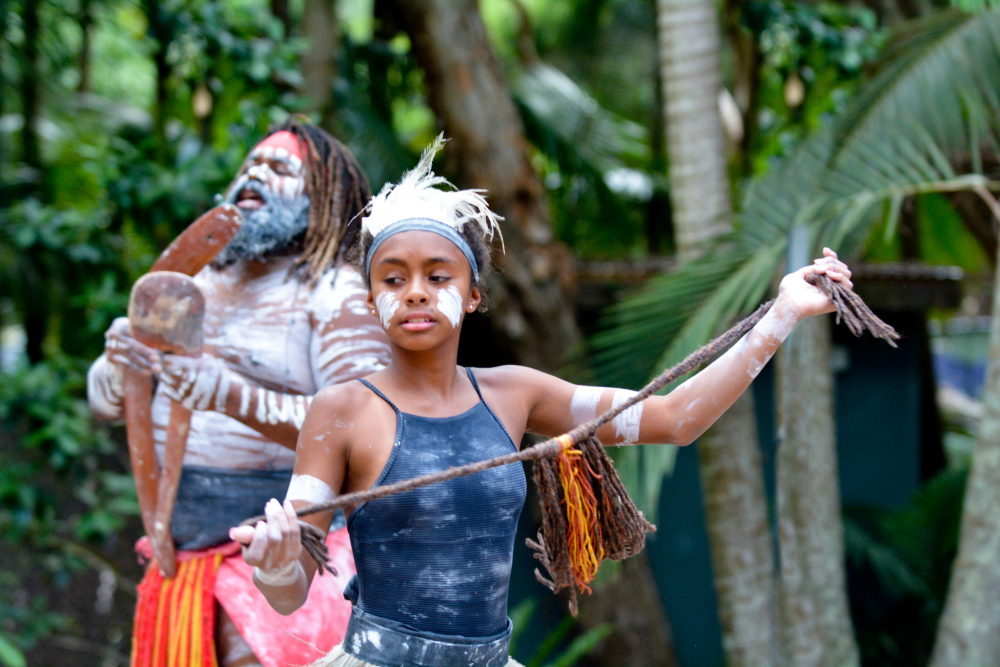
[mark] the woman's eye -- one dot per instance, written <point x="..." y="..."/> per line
<point x="439" y="279"/>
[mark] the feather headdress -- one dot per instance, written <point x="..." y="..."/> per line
<point x="416" y="196"/>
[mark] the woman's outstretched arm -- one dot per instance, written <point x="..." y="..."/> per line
<point x="688" y="411"/>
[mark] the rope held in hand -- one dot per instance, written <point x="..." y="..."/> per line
<point x="587" y="516"/>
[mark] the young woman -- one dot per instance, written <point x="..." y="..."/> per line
<point x="434" y="563"/>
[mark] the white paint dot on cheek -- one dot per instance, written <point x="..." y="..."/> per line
<point x="386" y="306"/>
<point x="450" y="304"/>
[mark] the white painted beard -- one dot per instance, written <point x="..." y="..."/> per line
<point x="273" y="227"/>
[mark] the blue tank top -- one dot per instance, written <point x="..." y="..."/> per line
<point x="438" y="559"/>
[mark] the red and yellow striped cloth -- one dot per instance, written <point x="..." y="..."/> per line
<point x="175" y="618"/>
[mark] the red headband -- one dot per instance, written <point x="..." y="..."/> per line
<point x="283" y="139"/>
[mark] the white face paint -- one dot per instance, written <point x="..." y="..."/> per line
<point x="450" y="304"/>
<point x="627" y="423"/>
<point x="265" y="159"/>
<point x="386" y="306"/>
<point x="583" y="407"/>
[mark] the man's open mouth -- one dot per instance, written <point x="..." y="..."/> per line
<point x="249" y="199"/>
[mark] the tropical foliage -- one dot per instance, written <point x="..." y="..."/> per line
<point x="120" y="120"/>
<point x="922" y="124"/>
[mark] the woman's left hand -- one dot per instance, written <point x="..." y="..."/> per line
<point x="808" y="299"/>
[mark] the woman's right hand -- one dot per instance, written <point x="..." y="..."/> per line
<point x="272" y="546"/>
<point x="126" y="352"/>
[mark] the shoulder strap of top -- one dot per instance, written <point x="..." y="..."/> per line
<point x="488" y="408"/>
<point x="475" y="385"/>
<point x="381" y="395"/>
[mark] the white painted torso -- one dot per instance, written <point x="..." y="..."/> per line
<point x="284" y="335"/>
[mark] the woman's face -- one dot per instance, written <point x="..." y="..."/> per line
<point x="421" y="288"/>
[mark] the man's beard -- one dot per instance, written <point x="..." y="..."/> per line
<point x="273" y="227"/>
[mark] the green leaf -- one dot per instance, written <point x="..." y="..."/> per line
<point x="10" y="655"/>
<point x="582" y="645"/>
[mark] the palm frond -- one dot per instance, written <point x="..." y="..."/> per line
<point x="597" y="137"/>
<point x="920" y="125"/>
<point x="893" y="573"/>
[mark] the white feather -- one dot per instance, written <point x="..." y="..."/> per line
<point x="415" y="196"/>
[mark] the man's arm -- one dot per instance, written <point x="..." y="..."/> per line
<point x="105" y="389"/>
<point x="346" y="343"/>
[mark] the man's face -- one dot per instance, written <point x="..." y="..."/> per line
<point x="270" y="194"/>
<point x="275" y="168"/>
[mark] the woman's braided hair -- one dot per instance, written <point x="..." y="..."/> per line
<point x="338" y="191"/>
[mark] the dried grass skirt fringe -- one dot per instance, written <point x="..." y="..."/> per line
<point x="338" y="658"/>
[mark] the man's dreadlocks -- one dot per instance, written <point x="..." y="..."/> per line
<point x="337" y="191"/>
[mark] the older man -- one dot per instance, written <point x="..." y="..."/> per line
<point x="283" y="319"/>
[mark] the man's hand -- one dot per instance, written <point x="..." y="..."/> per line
<point x="273" y="547"/>
<point x="195" y="382"/>
<point x="808" y="299"/>
<point x="126" y="352"/>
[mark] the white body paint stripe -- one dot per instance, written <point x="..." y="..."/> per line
<point x="244" y="400"/>
<point x="583" y="407"/>
<point x="310" y="489"/>
<point x="627" y="423"/>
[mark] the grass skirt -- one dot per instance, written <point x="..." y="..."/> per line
<point x="338" y="658"/>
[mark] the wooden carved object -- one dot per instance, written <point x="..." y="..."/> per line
<point x="165" y="313"/>
<point x="200" y="242"/>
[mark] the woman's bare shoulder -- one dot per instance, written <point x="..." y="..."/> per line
<point x="512" y="378"/>
<point x="342" y="405"/>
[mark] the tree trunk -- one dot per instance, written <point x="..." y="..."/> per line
<point x="319" y="63"/>
<point x="815" y="623"/>
<point x="30" y="151"/>
<point x="532" y="319"/>
<point x="740" y="534"/>
<point x="3" y="148"/>
<point x="641" y="630"/>
<point x="279" y="9"/>
<point x="729" y="453"/>
<point x="699" y="178"/>
<point x="33" y="300"/>
<point x="659" y="226"/>
<point x="159" y="33"/>
<point x="83" y="60"/>
<point x="745" y="47"/>
<point x="969" y="630"/>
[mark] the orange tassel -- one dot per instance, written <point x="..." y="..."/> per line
<point x="584" y="531"/>
<point x="175" y="618"/>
